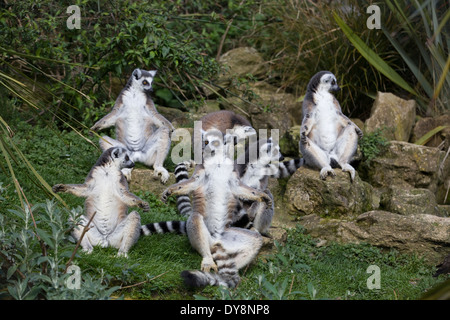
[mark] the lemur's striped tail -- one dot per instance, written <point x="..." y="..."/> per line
<point x="288" y="167"/>
<point x="164" y="227"/>
<point x="183" y="202"/>
<point x="197" y="278"/>
<point x="227" y="275"/>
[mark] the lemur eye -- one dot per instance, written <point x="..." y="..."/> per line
<point x="333" y="82"/>
<point x="127" y="158"/>
<point x="206" y="142"/>
<point x="145" y="82"/>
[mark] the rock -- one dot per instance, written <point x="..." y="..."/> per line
<point x="241" y="62"/>
<point x="393" y="114"/>
<point x="410" y="201"/>
<point x="424" y="125"/>
<point x="422" y="234"/>
<point x="411" y="166"/>
<point x="289" y="142"/>
<point x="177" y="117"/>
<point x="334" y="197"/>
<point x="269" y="109"/>
<point x="143" y="180"/>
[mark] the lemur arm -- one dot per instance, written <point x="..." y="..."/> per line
<point x="110" y="119"/>
<point x="305" y="129"/>
<point x="79" y="190"/>
<point x="345" y="121"/>
<point x="184" y="187"/>
<point x="244" y="192"/>
<point x="159" y="120"/>
<point x="132" y="200"/>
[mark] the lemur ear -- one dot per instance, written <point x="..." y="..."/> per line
<point x="153" y="73"/>
<point x="137" y="73"/>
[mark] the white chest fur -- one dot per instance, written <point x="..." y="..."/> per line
<point x="218" y="194"/>
<point x="105" y="200"/>
<point x="325" y="130"/>
<point x="136" y="116"/>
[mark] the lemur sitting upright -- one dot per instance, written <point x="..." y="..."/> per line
<point x="107" y="196"/>
<point x="327" y="137"/>
<point x="215" y="189"/>
<point x="226" y="122"/>
<point x="139" y="127"/>
<point x="253" y="173"/>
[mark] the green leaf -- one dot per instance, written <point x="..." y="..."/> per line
<point x="372" y="57"/>
<point x="11" y="271"/>
<point x="427" y="136"/>
<point x="45" y="237"/>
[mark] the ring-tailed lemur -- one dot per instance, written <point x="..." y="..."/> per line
<point x="139" y="127"/>
<point x="252" y="172"/>
<point x="227" y="122"/>
<point x="327" y="136"/>
<point x="107" y="196"/>
<point x="255" y="173"/>
<point x="215" y="189"/>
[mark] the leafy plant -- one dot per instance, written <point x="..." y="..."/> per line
<point x="301" y="38"/>
<point x="373" y="144"/>
<point x="420" y="29"/>
<point x="36" y="250"/>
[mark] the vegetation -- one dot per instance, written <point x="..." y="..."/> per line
<point x="55" y="82"/>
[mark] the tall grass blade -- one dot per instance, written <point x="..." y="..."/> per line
<point x="427" y="136"/>
<point x="372" y="57"/>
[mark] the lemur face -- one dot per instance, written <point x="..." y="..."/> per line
<point x="121" y="158"/>
<point x="269" y="152"/>
<point x="328" y="82"/>
<point x="213" y="143"/>
<point x="143" y="79"/>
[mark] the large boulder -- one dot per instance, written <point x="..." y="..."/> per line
<point x="410" y="201"/>
<point x="422" y="234"/>
<point x="270" y="108"/>
<point x="395" y="116"/>
<point x="408" y="165"/>
<point x="334" y="197"/>
<point x="241" y="62"/>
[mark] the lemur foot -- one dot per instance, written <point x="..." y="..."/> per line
<point x="326" y="171"/>
<point x="208" y="264"/>
<point x="164" y="174"/>
<point x="348" y="168"/>
<point x="122" y="254"/>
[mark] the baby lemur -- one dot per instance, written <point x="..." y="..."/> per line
<point x="139" y="127"/>
<point x="107" y="196"/>
<point x="215" y="189"/>
<point x="327" y="137"/>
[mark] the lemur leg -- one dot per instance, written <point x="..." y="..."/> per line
<point x="236" y="249"/>
<point x="126" y="234"/>
<point x="108" y="142"/>
<point x="315" y="157"/>
<point x="201" y="240"/>
<point x="345" y="148"/>
<point x="155" y="152"/>
<point x="91" y="238"/>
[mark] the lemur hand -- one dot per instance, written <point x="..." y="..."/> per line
<point x="59" y="188"/>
